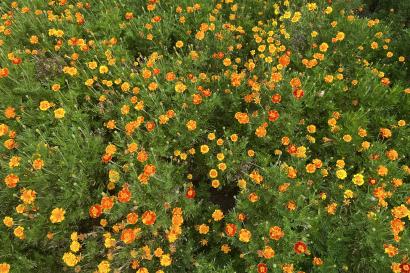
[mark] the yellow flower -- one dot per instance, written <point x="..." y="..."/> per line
<point x="19" y="232"/>
<point x="215" y="183"/>
<point x="44" y="105"/>
<point x="347" y="138"/>
<point x="348" y="194"/>
<point x="166" y="260"/>
<point x="57" y="215"/>
<point x="74" y="236"/>
<point x="341" y="174"/>
<point x="180" y="87"/>
<point x="8" y="221"/>
<point x="213" y="173"/>
<point x="92" y="65"/>
<point x="75" y="246"/>
<point x="104" y="267"/>
<point x="179" y="44"/>
<point x="211" y="136"/>
<point x="217" y="215"/>
<point x="204" y="149"/>
<point x="296" y="17"/>
<point x="103" y="69"/>
<point x="311" y="129"/>
<point x="340" y="36"/>
<point x="59" y="113"/>
<point x="358" y="179"/>
<point x="70" y="259"/>
<point x="311" y="6"/>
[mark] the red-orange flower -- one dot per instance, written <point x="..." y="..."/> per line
<point x="230" y="230"/>
<point x="191" y="193"/>
<point x="262" y="268"/>
<point x="273" y="115"/>
<point x="300" y="247"/>
<point x="95" y="211"/>
<point x="276" y="98"/>
<point x="284" y="60"/>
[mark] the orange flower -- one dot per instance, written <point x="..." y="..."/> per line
<point x="331" y="208"/>
<point x="149" y="217"/>
<point x="11" y="180"/>
<point x="217" y="215"/>
<point x="124" y="195"/>
<point x="10" y="112"/>
<point x="3" y="129"/>
<point x="4" y="268"/>
<point x="203" y="229"/>
<point x="284" y="60"/>
<point x="142" y="156"/>
<point x="19" y="232"/>
<point x="276" y="98"/>
<point x="129" y="15"/>
<point x="295" y="83"/>
<point x="4" y="72"/>
<point x="242" y="118"/>
<point x="276" y="233"/>
<point x="38" y="164"/>
<point x="317" y="261"/>
<point x="390" y="250"/>
<point x="10" y="144"/>
<point x="260" y="131"/>
<point x="132" y="218"/>
<point x="291" y="205"/>
<point x="107" y="203"/>
<point x="385" y="133"/>
<point x="245" y="235"/>
<point x="149" y="170"/>
<point x="28" y="196"/>
<point x="292" y="172"/>
<point x="191" y="125"/>
<point x="128" y="236"/>
<point x="310" y="168"/>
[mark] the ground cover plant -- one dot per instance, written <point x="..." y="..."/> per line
<point x="204" y="136"/>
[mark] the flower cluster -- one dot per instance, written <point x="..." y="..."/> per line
<point x="202" y="136"/>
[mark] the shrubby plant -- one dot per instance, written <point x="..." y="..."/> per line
<point x="208" y="136"/>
